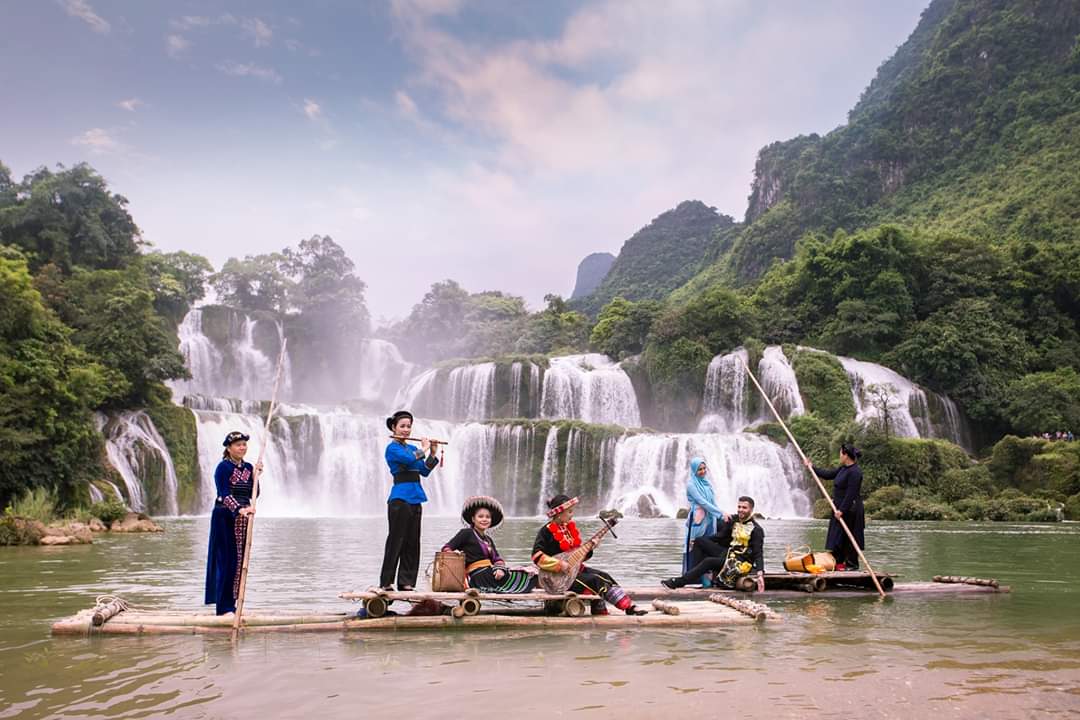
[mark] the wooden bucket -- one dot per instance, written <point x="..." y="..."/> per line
<point x="799" y="559"/>
<point x="448" y="572"/>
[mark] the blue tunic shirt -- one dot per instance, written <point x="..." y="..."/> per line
<point x="402" y="459"/>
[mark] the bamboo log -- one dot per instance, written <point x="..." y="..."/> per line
<point x="750" y="609"/>
<point x="964" y="580"/>
<point x="255" y="491"/>
<point x="817" y="480"/>
<point x="107" y="609"/>
<point x="666" y="607"/>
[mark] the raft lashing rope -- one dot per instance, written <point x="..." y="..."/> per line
<point x="107" y="607"/>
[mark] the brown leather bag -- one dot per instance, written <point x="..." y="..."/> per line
<point x="448" y="572"/>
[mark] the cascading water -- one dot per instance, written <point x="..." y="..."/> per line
<point x="881" y="393"/>
<point x="727" y="401"/>
<point x="740" y="464"/>
<point x="239" y="370"/>
<point x="139" y="454"/>
<point x="589" y="387"/>
<point x="464" y="393"/>
<point x="380" y="371"/>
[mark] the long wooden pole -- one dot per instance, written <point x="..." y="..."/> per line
<point x="821" y="487"/>
<point x="255" y="491"/>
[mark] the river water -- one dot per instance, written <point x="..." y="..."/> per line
<point x="1015" y="655"/>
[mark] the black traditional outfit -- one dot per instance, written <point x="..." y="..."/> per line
<point x="847" y="485"/>
<point x="555" y="538"/>
<point x="482" y="558"/>
<point x="736" y="550"/>
<point x="404" y="509"/>
<point x="228" y="530"/>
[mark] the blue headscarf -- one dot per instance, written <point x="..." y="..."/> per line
<point x="699" y="492"/>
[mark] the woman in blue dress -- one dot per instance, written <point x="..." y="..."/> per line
<point x="234" y="480"/>
<point x="703" y="514"/>
<point x="404" y="508"/>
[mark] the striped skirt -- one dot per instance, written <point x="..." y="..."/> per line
<point x="512" y="581"/>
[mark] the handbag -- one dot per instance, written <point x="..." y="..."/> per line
<point x="448" y="572"/>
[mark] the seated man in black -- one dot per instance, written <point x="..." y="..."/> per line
<point x="737" y="549"/>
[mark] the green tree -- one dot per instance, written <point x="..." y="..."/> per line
<point x="622" y="327"/>
<point x="69" y="218"/>
<point x="48" y="387"/>
<point x="717" y="318"/>
<point x="556" y="329"/>
<point x="256" y="283"/>
<point x="1045" y="402"/>
<point x="324" y="288"/>
<point x="178" y="280"/>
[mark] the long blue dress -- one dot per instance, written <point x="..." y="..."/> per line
<point x="228" y="532"/>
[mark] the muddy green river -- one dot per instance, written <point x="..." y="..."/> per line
<point x="1005" y="655"/>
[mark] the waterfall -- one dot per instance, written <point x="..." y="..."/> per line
<point x="651" y="471"/>
<point x="778" y="380"/>
<point x="549" y="470"/>
<point x="380" y="371"/>
<point x="464" y="393"/>
<point x="725" y="401"/>
<point x="911" y="409"/>
<point x="239" y="370"/>
<point x="589" y="387"/>
<point x="524" y="406"/>
<point x="139" y="455"/>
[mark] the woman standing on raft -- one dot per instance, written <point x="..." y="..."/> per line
<point x="234" y="480"/>
<point x="847" y="484"/>
<point x="703" y="515"/>
<point x="403" y="508"/>
<point x="485" y="567"/>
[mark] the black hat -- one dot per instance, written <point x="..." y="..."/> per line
<point x="393" y="419"/>
<point x="482" y="501"/>
<point x="235" y="436"/>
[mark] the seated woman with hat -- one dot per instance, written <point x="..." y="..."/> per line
<point x="485" y="568"/>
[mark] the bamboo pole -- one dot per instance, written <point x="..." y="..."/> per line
<point x="821" y="487"/>
<point x="666" y="607"/>
<point x="751" y="609"/>
<point x="255" y="491"/>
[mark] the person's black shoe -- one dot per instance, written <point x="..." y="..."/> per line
<point x="635" y="610"/>
<point x="670" y="583"/>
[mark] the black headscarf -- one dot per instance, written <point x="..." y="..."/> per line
<point x="393" y="419"/>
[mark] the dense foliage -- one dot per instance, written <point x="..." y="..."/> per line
<point x="87" y="322"/>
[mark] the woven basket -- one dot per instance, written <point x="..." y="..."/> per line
<point x="825" y="560"/>
<point x="448" y="572"/>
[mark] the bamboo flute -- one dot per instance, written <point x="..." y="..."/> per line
<point x="817" y="480"/>
<point x="255" y="492"/>
<point x="416" y="439"/>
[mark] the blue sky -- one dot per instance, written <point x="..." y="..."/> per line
<point x="496" y="143"/>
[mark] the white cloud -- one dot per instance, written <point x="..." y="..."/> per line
<point x="259" y="31"/>
<point x="130" y="104"/>
<point x="189" y="22"/>
<point x="250" y="70"/>
<point x="81" y="9"/>
<point x="312" y="109"/>
<point x="175" y="45"/>
<point x="98" y="140"/>
<point x="406" y="105"/>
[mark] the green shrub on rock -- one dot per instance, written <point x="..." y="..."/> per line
<point x="908" y="462"/>
<point x="1072" y="507"/>
<point x="957" y="484"/>
<point x="822" y="509"/>
<point x="109" y="511"/>
<point x="884" y="497"/>
<point x="815" y="438"/>
<point x="824" y="386"/>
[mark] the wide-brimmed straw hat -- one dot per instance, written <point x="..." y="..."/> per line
<point x="477" y="502"/>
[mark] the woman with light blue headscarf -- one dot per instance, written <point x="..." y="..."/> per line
<point x="704" y="512"/>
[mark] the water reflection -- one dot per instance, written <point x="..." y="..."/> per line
<point x="1015" y="655"/>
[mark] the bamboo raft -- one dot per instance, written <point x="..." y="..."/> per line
<point x="690" y="607"/>
<point x="691" y="614"/>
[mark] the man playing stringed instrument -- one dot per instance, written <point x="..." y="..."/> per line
<point x="561" y="535"/>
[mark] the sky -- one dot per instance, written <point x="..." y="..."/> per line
<point x="493" y="142"/>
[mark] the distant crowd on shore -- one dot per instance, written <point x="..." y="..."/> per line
<point x="1064" y="435"/>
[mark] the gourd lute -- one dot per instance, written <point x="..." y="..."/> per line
<point x="560" y="582"/>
